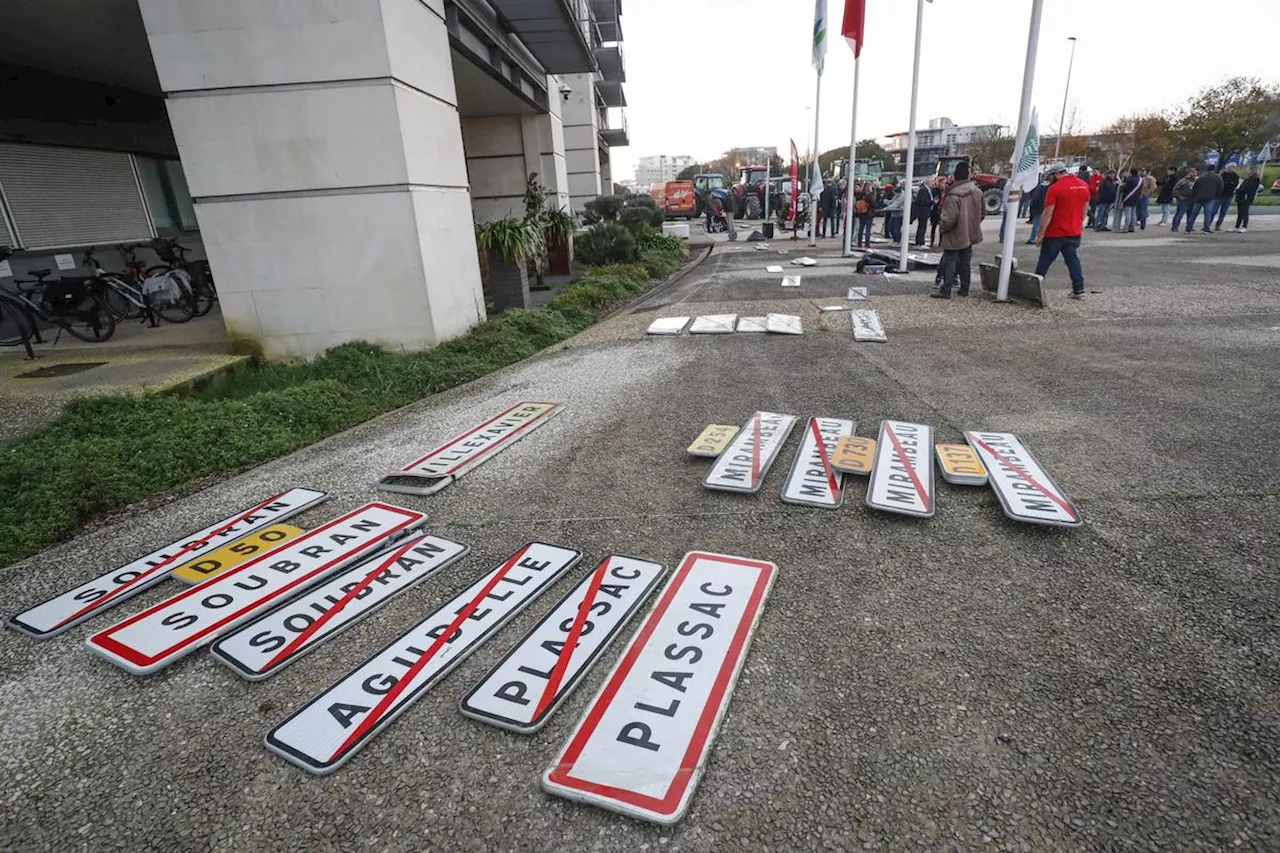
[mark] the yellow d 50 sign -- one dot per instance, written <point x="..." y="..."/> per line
<point x="229" y="556"/>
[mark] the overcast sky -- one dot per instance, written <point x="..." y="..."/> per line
<point x="707" y="75"/>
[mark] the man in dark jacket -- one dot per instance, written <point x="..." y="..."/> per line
<point x="1106" y="197"/>
<point x="1245" y="194"/>
<point x="959" y="230"/>
<point x="1182" y="193"/>
<point x="827" y="209"/>
<point x="1132" y="190"/>
<point x="1230" y="180"/>
<point x="1035" y="204"/>
<point x="921" y="207"/>
<point x="1204" y="197"/>
<point x="1165" y="197"/>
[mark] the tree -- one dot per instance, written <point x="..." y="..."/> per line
<point x="1240" y="114"/>
<point x="990" y="149"/>
<point x="687" y="173"/>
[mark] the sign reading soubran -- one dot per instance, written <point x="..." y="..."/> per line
<point x="72" y="607"/>
<point x="179" y="625"/>
<point x="743" y="464"/>
<point x="268" y="644"/>
<point x="813" y="480"/>
<point x="527" y="686"/>
<point x="643" y="742"/>
<point x="1025" y="490"/>
<point x="333" y="726"/>
<point x="456" y="457"/>
<point x="230" y="556"/>
<point x="902" y="479"/>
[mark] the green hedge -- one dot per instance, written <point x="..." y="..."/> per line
<point x="103" y="454"/>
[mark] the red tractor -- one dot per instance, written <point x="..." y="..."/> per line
<point x="992" y="186"/>
<point x="748" y="192"/>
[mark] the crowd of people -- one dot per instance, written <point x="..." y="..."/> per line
<point x="871" y="201"/>
<point x="1182" y="197"/>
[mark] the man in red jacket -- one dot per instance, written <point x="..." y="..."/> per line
<point x="1064" y="212"/>
<point x="1094" y="180"/>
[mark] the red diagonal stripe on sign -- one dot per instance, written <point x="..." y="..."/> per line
<point x="394" y="693"/>
<point x="571" y="642"/>
<point x="755" y="450"/>
<point x="1024" y="475"/>
<point x="906" y="463"/>
<point x="826" y="461"/>
<point x="301" y="639"/>
<point x="168" y="561"/>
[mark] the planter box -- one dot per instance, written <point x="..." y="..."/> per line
<point x="560" y="256"/>
<point x="507" y="285"/>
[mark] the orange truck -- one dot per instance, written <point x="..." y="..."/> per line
<point x="678" y="200"/>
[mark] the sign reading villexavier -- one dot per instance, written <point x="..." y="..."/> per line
<point x="523" y="691"/>
<point x="179" y="625"/>
<point x="642" y="744"/>
<point x="272" y="642"/>
<point x="742" y="466"/>
<point x="454" y="458"/>
<point x="813" y="481"/>
<point x="1025" y="490"/>
<point x="332" y="727"/>
<point x="89" y="599"/>
<point x="902" y="479"/>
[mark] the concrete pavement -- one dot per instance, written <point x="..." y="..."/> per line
<point x="961" y="683"/>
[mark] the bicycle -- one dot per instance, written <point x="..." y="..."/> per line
<point x="127" y="297"/>
<point x="199" y="277"/>
<point x="71" y="304"/>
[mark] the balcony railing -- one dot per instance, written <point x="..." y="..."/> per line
<point x="613" y="128"/>
<point x="557" y="32"/>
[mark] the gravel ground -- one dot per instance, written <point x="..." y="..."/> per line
<point x="961" y="683"/>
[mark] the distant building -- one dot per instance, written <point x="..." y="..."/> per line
<point x="941" y="138"/>
<point x="660" y="168"/>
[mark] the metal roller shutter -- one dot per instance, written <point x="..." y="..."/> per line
<point x="6" y="239"/>
<point x="72" y="196"/>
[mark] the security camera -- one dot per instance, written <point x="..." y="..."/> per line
<point x="565" y="89"/>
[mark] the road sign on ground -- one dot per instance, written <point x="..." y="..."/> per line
<point x="774" y="268"/>
<point x="783" y="324"/>
<point x="522" y="692"/>
<point x="668" y="325"/>
<point x="856" y="294"/>
<point x="333" y="726"/>
<point x="751" y="324"/>
<point x="855" y="454"/>
<point x="791" y="281"/>
<point x="474" y="447"/>
<point x="742" y="466"/>
<point x="960" y="465"/>
<point x="867" y="326"/>
<point x="269" y="643"/>
<point x="712" y="441"/>
<point x="902" y="479"/>
<point x="89" y="599"/>
<point x="1025" y="490"/>
<point x="179" y="625"/>
<point x="230" y="556"/>
<point x="643" y="742"/>
<point x="713" y="324"/>
<point x="813" y="481"/>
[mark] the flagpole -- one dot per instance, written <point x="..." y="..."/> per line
<point x="911" y="131"/>
<point x="1024" y="121"/>
<point x="813" y="201"/>
<point x="853" y="151"/>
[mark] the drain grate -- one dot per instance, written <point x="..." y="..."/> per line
<point x="55" y="370"/>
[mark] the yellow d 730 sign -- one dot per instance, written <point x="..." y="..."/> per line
<point x="960" y="465"/>
<point x="228" y="556"/>
<point x="713" y="440"/>
<point x="854" y="455"/>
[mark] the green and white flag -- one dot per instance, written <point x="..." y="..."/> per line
<point x="819" y="33"/>
<point x="1026" y="163"/>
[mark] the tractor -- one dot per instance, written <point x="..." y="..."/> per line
<point x="702" y="185"/>
<point x="992" y="186"/>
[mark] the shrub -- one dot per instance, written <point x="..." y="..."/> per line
<point x="605" y="244"/>
<point x="659" y="263"/>
<point x="657" y="240"/>
<point x="637" y="219"/>
<point x="604" y="208"/>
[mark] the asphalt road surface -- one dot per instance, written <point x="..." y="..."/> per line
<point x="958" y="683"/>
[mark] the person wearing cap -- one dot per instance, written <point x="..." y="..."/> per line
<point x="1066" y="204"/>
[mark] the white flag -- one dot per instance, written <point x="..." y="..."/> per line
<point x="819" y="33"/>
<point x="815" y="182"/>
<point x="1026" y="163"/>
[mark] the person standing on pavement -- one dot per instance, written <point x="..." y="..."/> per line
<point x="1230" y="180"/>
<point x="826" y="208"/>
<point x="1107" y="190"/>
<point x="921" y="206"/>
<point x="1182" y="192"/>
<point x="935" y="213"/>
<point x="893" y="215"/>
<point x="1204" y="196"/>
<point x="864" y="211"/>
<point x="1144" y="196"/>
<point x="1065" y="206"/>
<point x="1035" y="204"/>
<point x="1245" y="194"/>
<point x="1094" y="180"/>
<point x="1131" y="190"/>
<point x="842" y="189"/>
<point x="960" y="229"/>
<point x="1165" y="198"/>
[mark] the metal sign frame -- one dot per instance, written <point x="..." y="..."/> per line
<point x="1020" y="482"/>
<point x="902" y="479"/>
<point x="541" y="671"/>
<point x="813" y="481"/>
<point x="867" y="327"/>
<point x="751" y="453"/>
<point x="68" y="609"/>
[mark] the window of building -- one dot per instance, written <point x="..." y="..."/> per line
<point x="168" y="198"/>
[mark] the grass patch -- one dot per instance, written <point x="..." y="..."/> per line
<point x="105" y="453"/>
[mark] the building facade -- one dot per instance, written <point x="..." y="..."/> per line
<point x="330" y="160"/>
<point x="941" y="138"/>
<point x="660" y="168"/>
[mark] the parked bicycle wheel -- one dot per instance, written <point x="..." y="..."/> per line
<point x="118" y="297"/>
<point x="179" y="306"/>
<point x="89" y="319"/>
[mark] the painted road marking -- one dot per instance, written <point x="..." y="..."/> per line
<point x="713" y="324"/>
<point x="1025" y="490"/>
<point x="855" y="454"/>
<point x="960" y="465"/>
<point x="712" y="441"/>
<point x="179" y="625"/>
<point x="269" y="643"/>
<point x="230" y="556"/>
<point x="642" y="744"/>
<point x="474" y="447"/>
<point x="902" y="479"/>
<point x="323" y="734"/>
<point x="867" y="326"/>
<point x="522" y="692"/>
<point x="741" y="468"/>
<point x="813" y="481"/>
<point x="89" y="599"/>
<point x="668" y="326"/>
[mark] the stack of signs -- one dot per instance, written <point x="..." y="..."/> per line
<point x="449" y="461"/>
<point x="522" y="692"/>
<point x="960" y="465"/>
<point x="791" y="281"/>
<point x="856" y="293"/>
<point x="742" y="466"/>
<point x="179" y="625"/>
<point x="72" y="607"/>
<point x="773" y="268"/>
<point x="642" y="744"/>
<point x="324" y="733"/>
<point x="668" y="326"/>
<point x="230" y="556"/>
<point x="1025" y="490"/>
<point x="713" y="324"/>
<point x="783" y="324"/>
<point x="866" y="326"/>
<point x="813" y="480"/>
<point x="712" y="441"/>
<point x="751" y="324"/>
<point x="902" y="479"/>
<point x="855" y="455"/>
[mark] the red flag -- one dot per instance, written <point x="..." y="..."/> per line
<point x="795" y="181"/>
<point x="855" y="19"/>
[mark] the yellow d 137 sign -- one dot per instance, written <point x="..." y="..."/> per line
<point x="228" y="556"/>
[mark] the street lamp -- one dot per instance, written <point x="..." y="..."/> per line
<point x="1057" y="145"/>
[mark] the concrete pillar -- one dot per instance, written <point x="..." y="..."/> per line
<point x="581" y="139"/>
<point x="497" y="166"/>
<point x="322" y="144"/>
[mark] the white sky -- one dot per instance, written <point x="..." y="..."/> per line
<point x="692" y="90"/>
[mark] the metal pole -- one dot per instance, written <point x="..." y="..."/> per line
<point x="1057" y="146"/>
<point x="853" y="150"/>
<point x="813" y="202"/>
<point x="1024" y="122"/>
<point x="911" y="131"/>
